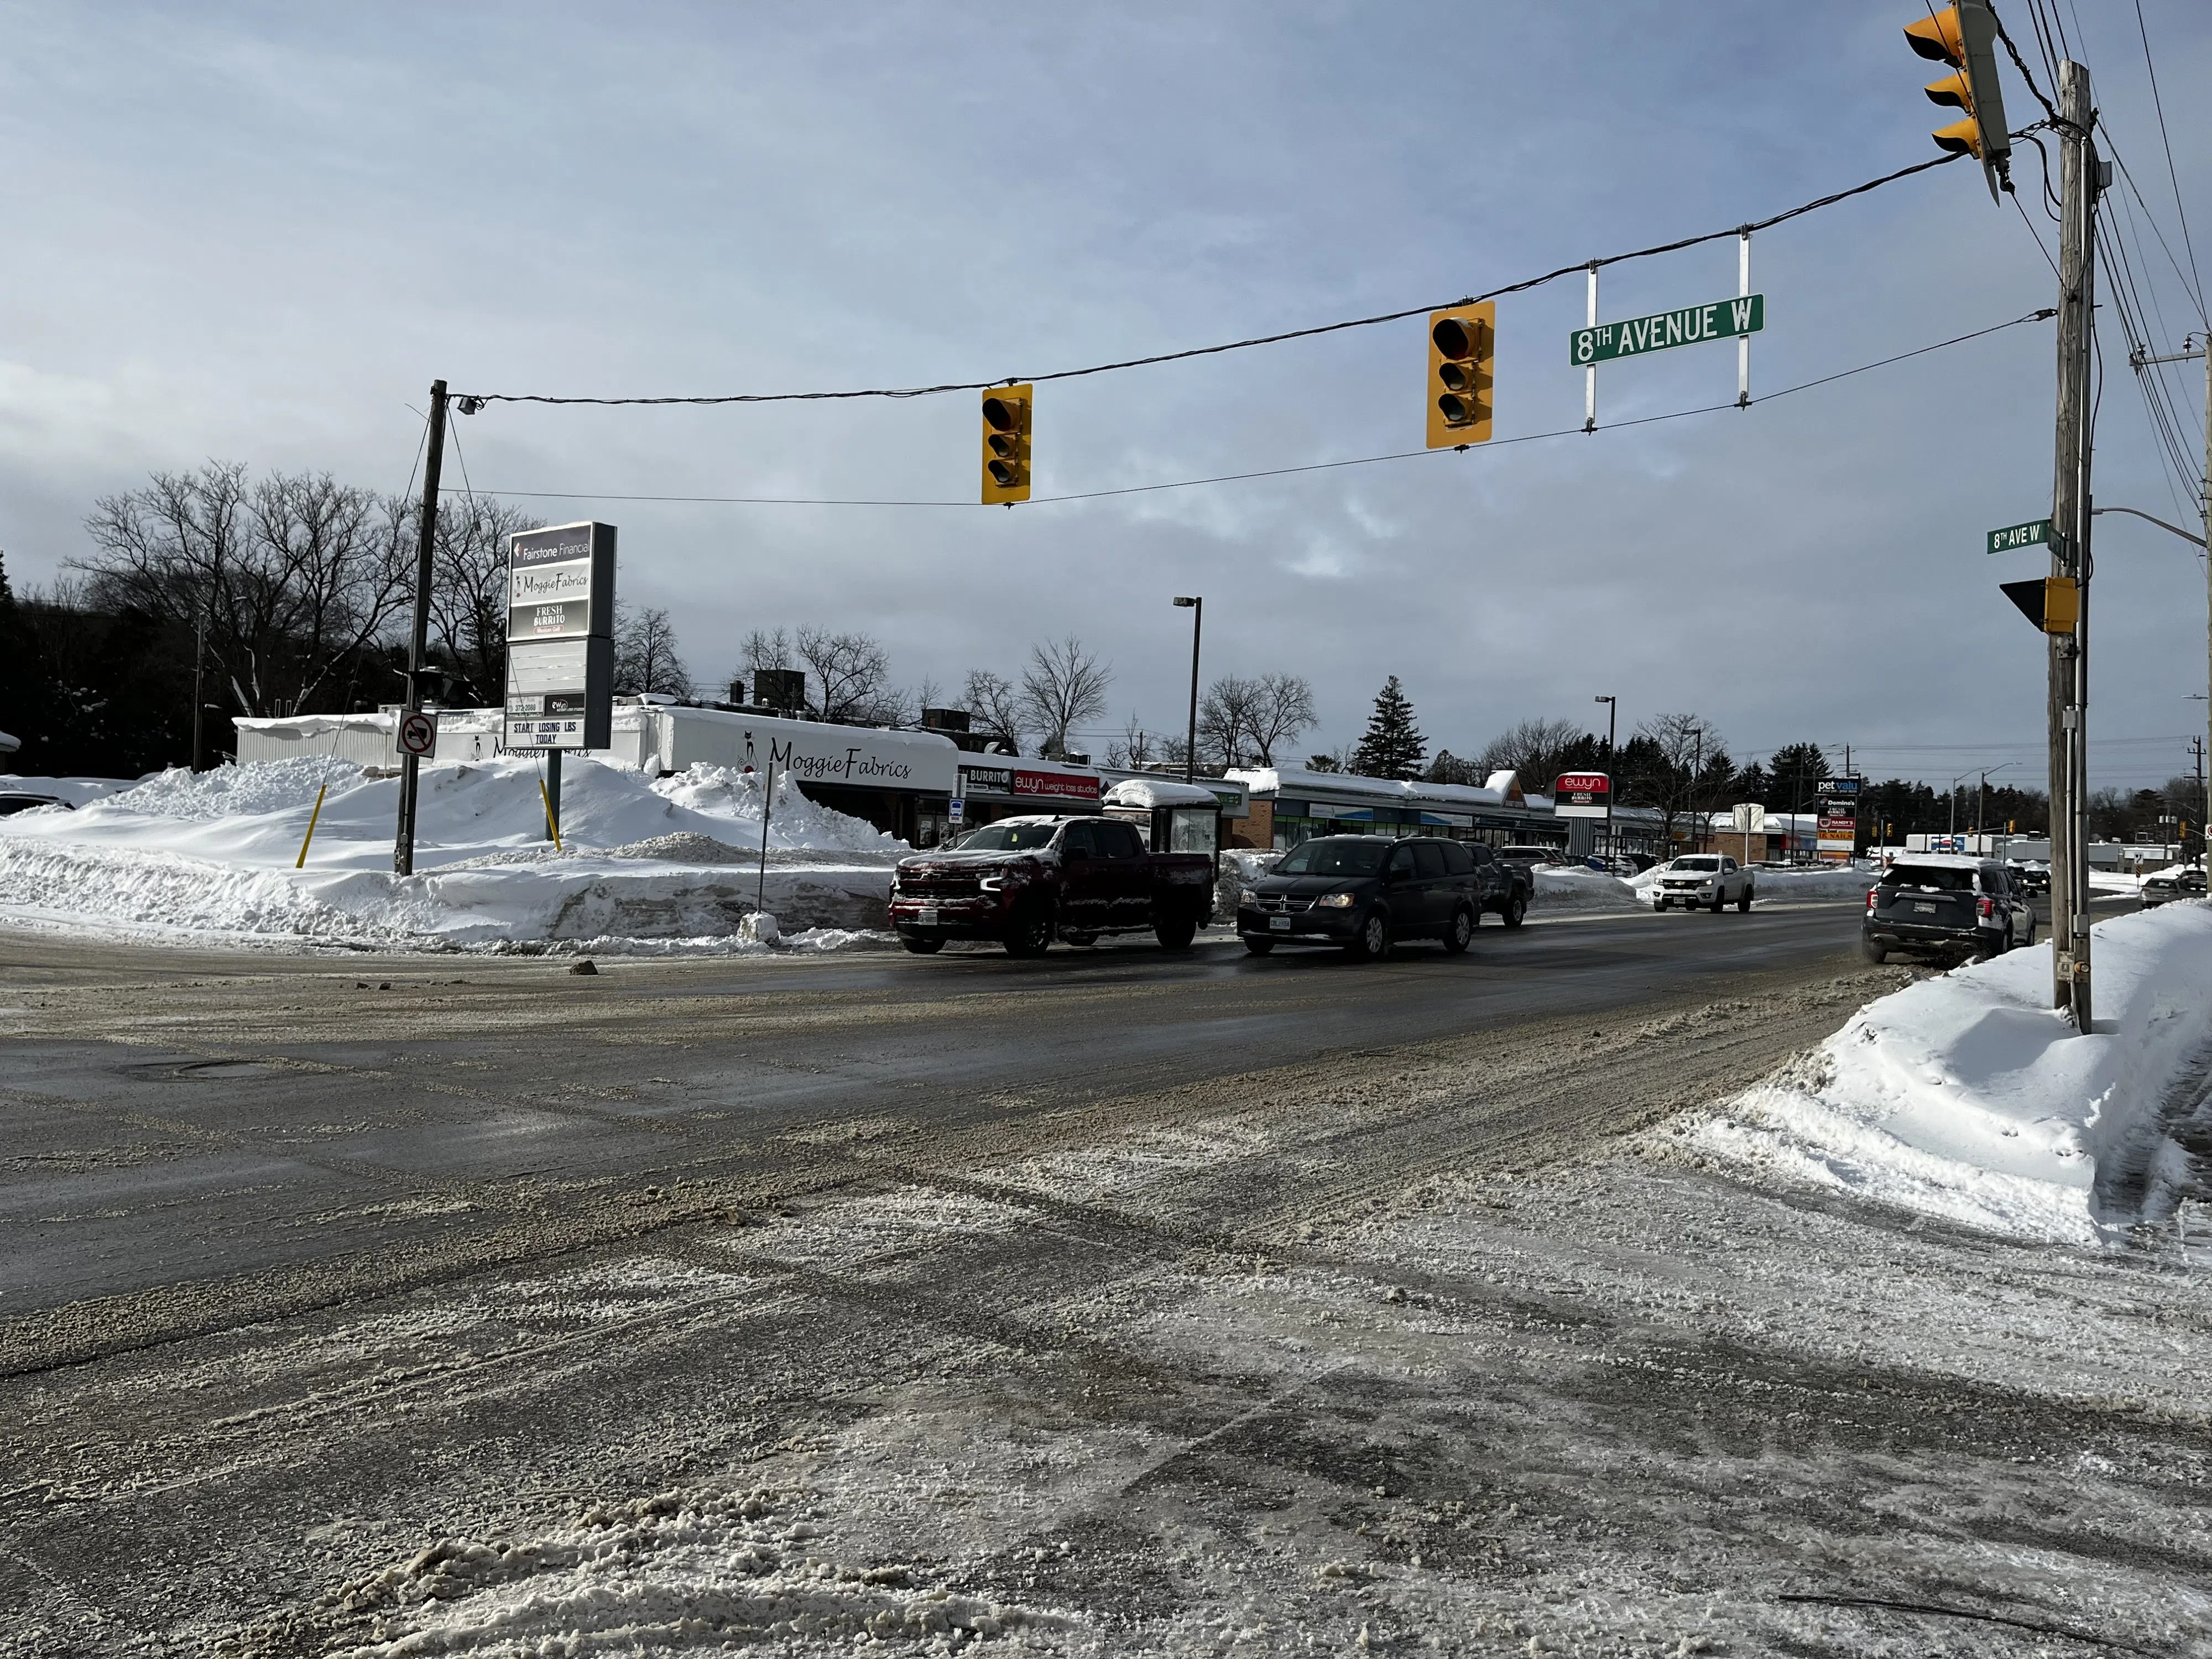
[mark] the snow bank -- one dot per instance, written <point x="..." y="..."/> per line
<point x="1578" y="887"/>
<point x="1967" y="1097"/>
<point x="75" y="791"/>
<point x="211" y="856"/>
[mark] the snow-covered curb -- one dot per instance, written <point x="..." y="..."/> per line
<point x="1967" y="1097"/>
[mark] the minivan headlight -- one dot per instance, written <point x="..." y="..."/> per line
<point x="1249" y="898"/>
<point x="1335" y="901"/>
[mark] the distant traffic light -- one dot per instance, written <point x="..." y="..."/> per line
<point x="1965" y="37"/>
<point x="1463" y="353"/>
<point x="1006" y="443"/>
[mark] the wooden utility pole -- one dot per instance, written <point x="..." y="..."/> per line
<point x="402" y="850"/>
<point x="2070" y="549"/>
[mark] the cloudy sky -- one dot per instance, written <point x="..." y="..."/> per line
<point x="258" y="233"/>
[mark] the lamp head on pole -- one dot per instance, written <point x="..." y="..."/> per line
<point x="1186" y="603"/>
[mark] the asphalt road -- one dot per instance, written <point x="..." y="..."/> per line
<point x="170" y="1117"/>
<point x="1137" y="1290"/>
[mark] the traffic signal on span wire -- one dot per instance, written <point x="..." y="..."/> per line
<point x="1463" y="353"/>
<point x="1965" y="37"/>
<point x="1006" y="443"/>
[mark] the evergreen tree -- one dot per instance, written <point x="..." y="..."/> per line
<point x="1393" y="745"/>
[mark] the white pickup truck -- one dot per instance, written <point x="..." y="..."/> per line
<point x="1700" y="881"/>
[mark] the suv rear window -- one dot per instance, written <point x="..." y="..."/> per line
<point x="1936" y="877"/>
<point x="1457" y="859"/>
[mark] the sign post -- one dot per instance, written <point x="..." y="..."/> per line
<point x="1750" y="820"/>
<point x="1582" y="795"/>
<point x="559" y="646"/>
<point x="1839" y="818"/>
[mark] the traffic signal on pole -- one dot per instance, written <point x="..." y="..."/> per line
<point x="1463" y="353"/>
<point x="2053" y="603"/>
<point x="1965" y="37"/>
<point x="1006" y="443"/>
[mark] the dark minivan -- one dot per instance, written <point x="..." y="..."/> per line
<point x="1367" y="893"/>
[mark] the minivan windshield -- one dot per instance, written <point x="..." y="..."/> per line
<point x="1699" y="861"/>
<point x="1005" y="838"/>
<point x="1329" y="856"/>
<point x="1939" y="877"/>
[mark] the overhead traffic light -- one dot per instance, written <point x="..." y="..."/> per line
<point x="1006" y="443"/>
<point x="1965" y="37"/>
<point x="1463" y="352"/>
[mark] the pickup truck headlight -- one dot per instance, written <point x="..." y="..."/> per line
<point x="1335" y="901"/>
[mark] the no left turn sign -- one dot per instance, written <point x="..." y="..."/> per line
<point x="418" y="734"/>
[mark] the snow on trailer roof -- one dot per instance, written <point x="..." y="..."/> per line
<point x="1944" y="860"/>
<point x="1159" y="792"/>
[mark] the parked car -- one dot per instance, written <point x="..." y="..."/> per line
<point x="1027" y="881"/>
<point x="2181" y="881"/>
<point x="1532" y="857"/>
<point x="1369" y="893"/>
<point x="1695" y="881"/>
<point x="1947" y="905"/>
<point x="23" y="801"/>
<point x="2030" y="875"/>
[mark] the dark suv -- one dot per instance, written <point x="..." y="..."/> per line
<point x="1946" y="905"/>
<point x="1367" y="893"/>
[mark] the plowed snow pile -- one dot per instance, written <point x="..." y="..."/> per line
<point x="660" y="864"/>
<point x="1967" y="1096"/>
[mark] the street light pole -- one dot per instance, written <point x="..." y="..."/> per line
<point x="1612" y="726"/>
<point x="1197" y="606"/>
<point x="1697" y="781"/>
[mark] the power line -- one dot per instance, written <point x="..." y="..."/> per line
<point x="2151" y="69"/>
<point x="2044" y="314"/>
<point x="1579" y="268"/>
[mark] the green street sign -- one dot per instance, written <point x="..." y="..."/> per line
<point x="1723" y="319"/>
<point x="2034" y="533"/>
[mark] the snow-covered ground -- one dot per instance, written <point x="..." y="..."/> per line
<point x="1967" y="1096"/>
<point x="662" y="865"/>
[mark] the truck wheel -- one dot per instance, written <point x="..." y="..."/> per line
<point x="1874" y="952"/>
<point x="1373" y="941"/>
<point x="1177" y="934"/>
<point x="1030" y="935"/>
<point x="1720" y="900"/>
<point x="1516" y="911"/>
<point x="1743" y="904"/>
<point x="1461" y="932"/>
<point x="1258" y="947"/>
<point x="920" y="944"/>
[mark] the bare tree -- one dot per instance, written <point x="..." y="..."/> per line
<point x="1685" y="754"/>
<point x="853" y="671"/>
<point x="1135" y="748"/>
<point x="645" y="657"/>
<point x="286" y="580"/>
<point x="1531" y="749"/>
<point x="994" y="706"/>
<point x="469" y="588"/>
<point x="1063" y="686"/>
<point x="763" y="649"/>
<point x="1225" y="717"/>
<point x="1282" y="709"/>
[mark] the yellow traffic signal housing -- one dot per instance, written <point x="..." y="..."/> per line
<point x="1006" y="443"/>
<point x="1965" y="36"/>
<point x="1462" y="356"/>
<point x="2053" y="603"/>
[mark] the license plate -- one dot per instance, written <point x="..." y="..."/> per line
<point x="1923" y="910"/>
<point x="1278" y="924"/>
<point x="925" y="917"/>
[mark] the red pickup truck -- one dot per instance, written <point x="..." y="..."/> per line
<point x="1027" y="881"/>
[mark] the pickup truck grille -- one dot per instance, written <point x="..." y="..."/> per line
<point x="939" y="887"/>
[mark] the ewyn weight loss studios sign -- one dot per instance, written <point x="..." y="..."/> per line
<point x="560" y="637"/>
